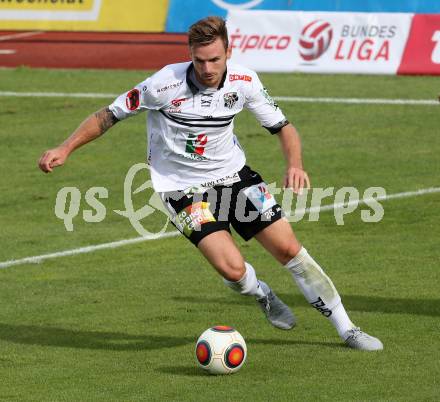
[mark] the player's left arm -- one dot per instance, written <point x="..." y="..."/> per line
<point x="268" y="113"/>
<point x="295" y="177"/>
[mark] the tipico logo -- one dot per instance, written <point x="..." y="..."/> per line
<point x="315" y="40"/>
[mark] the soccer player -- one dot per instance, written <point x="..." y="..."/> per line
<point x="199" y="170"/>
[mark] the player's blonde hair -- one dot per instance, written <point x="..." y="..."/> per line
<point x="207" y="30"/>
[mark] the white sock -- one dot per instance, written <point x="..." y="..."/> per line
<point x="248" y="285"/>
<point x="319" y="290"/>
<point x="341" y="321"/>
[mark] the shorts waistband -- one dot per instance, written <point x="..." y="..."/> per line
<point x="227" y="180"/>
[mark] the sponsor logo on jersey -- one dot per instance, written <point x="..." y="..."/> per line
<point x="315" y="40"/>
<point x="170" y="86"/>
<point x="259" y="195"/>
<point x="230" y="99"/>
<point x="132" y="99"/>
<point x="269" y="99"/>
<point x="195" y="146"/>
<point x="174" y="110"/>
<point x="240" y="77"/>
<point x="201" y="188"/>
<point x="178" y="102"/>
<point x="264" y="193"/>
<point x="225" y="181"/>
<point x="193" y="217"/>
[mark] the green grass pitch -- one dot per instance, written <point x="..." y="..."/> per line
<point x="121" y="324"/>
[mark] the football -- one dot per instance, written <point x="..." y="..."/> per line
<point x="221" y="350"/>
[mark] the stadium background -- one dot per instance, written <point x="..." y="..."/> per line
<point x="102" y="323"/>
<point x="60" y="33"/>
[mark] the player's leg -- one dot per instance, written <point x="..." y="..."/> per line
<point x="318" y="289"/>
<point x="199" y="218"/>
<point x="222" y="253"/>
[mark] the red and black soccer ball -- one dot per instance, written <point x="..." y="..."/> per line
<point x="221" y="350"/>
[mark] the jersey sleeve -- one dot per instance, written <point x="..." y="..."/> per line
<point x="142" y="97"/>
<point x="264" y="108"/>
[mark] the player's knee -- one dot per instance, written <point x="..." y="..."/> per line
<point x="288" y="251"/>
<point x="233" y="271"/>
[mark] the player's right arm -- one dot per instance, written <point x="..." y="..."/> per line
<point x="91" y="128"/>
<point x="143" y="96"/>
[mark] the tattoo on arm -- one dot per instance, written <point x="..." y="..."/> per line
<point x="106" y="119"/>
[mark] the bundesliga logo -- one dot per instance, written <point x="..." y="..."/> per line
<point x="315" y="40"/>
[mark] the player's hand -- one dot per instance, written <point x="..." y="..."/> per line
<point x="52" y="158"/>
<point x="296" y="179"/>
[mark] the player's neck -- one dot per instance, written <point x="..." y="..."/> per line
<point x="210" y="85"/>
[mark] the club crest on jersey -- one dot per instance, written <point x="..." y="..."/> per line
<point x="230" y="99"/>
<point x="132" y="99"/>
<point x="195" y="146"/>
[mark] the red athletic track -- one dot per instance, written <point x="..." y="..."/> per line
<point x="91" y="50"/>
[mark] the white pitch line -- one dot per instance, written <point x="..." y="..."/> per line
<point x="358" y="100"/>
<point x="405" y="194"/>
<point x="57" y="94"/>
<point x="82" y="250"/>
<point x="39" y="258"/>
<point x="366" y="101"/>
<point x="7" y="51"/>
<point x="19" y="35"/>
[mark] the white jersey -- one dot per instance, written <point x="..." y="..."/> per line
<point x="190" y="128"/>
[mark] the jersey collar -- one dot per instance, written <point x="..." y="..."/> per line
<point x="193" y="87"/>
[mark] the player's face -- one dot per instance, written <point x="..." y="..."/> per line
<point x="210" y="62"/>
